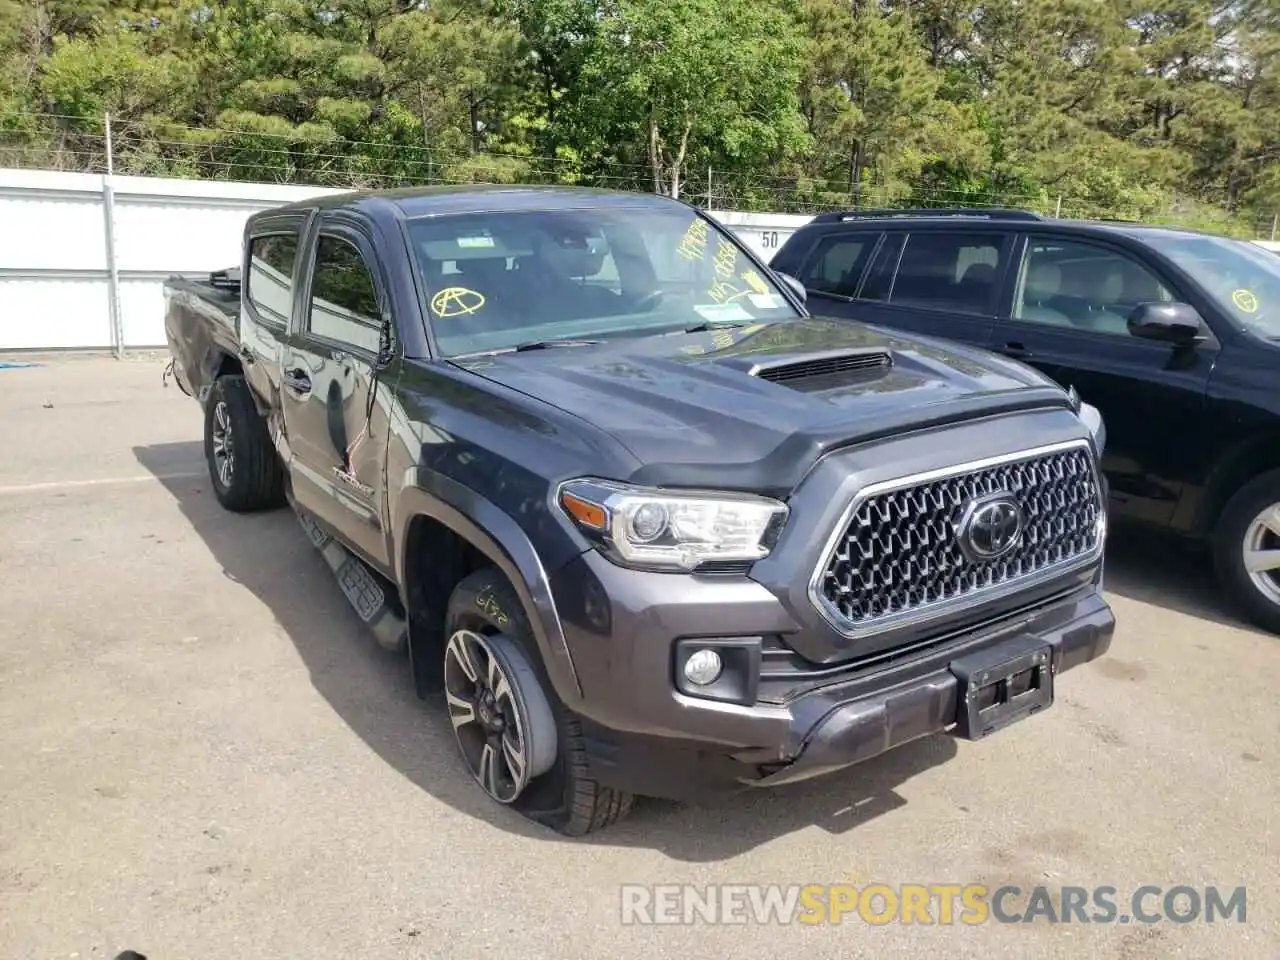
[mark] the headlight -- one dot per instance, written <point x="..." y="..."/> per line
<point x="1091" y="417"/>
<point x="666" y="530"/>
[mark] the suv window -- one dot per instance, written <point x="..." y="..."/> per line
<point x="1068" y="283"/>
<point x="270" y="282"/>
<point x="836" y="265"/>
<point x="880" y="280"/>
<point x="344" y="303"/>
<point x="957" y="272"/>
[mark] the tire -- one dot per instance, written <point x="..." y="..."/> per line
<point x="1241" y="529"/>
<point x="564" y="797"/>
<point x="243" y="466"/>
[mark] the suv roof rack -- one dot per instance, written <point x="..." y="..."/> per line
<point x="986" y="213"/>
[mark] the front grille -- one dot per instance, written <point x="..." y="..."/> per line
<point x="899" y="555"/>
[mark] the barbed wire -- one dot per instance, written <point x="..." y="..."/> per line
<point x="56" y="141"/>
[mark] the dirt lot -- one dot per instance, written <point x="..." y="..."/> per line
<point x="202" y="755"/>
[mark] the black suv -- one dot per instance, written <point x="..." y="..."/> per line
<point x="1174" y="336"/>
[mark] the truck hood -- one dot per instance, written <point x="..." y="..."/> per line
<point x="730" y="408"/>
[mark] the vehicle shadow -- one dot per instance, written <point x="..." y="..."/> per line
<point x="1169" y="572"/>
<point x="371" y="691"/>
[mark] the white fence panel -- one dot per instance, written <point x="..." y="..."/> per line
<point x="55" y="278"/>
<point x="764" y="233"/>
<point x="53" y="311"/>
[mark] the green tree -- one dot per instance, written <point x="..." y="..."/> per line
<point x="695" y="78"/>
<point x="871" y="98"/>
<point x="1147" y="108"/>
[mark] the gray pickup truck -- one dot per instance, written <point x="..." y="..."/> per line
<point x="642" y="524"/>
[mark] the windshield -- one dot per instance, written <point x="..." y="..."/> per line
<point x="1242" y="277"/>
<point x="499" y="280"/>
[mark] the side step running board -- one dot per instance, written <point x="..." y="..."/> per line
<point x="361" y="586"/>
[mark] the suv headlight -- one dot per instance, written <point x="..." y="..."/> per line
<point x="1091" y="417"/>
<point x="672" y="530"/>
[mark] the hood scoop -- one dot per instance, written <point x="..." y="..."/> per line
<point x="820" y="371"/>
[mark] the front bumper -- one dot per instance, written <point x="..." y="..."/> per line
<point x="860" y="728"/>
<point x="644" y="736"/>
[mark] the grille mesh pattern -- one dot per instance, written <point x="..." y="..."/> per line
<point x="901" y="553"/>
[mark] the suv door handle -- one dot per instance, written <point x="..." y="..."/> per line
<point x="1015" y="350"/>
<point x="297" y="381"/>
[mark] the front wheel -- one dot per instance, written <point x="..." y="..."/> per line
<point x="243" y="465"/>
<point x="1247" y="549"/>
<point x="519" y="742"/>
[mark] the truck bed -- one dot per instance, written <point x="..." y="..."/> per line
<point x="201" y="324"/>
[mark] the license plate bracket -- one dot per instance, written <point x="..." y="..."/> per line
<point x="1001" y="685"/>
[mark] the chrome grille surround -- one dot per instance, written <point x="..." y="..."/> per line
<point x="894" y="558"/>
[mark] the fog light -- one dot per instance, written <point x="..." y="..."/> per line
<point x="702" y="668"/>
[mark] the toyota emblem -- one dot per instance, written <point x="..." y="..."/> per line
<point x="990" y="527"/>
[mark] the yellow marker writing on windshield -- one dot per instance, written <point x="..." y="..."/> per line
<point x="722" y="292"/>
<point x="1245" y="300"/>
<point x="722" y="339"/>
<point x="693" y="245"/>
<point x="456" y="301"/>
<point x="726" y="260"/>
<point x="755" y="281"/>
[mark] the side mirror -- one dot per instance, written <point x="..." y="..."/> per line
<point x="794" y="285"/>
<point x="1176" y="323"/>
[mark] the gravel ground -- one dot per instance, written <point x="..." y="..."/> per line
<point x="203" y="755"/>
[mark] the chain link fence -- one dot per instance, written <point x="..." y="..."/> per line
<point x="303" y="157"/>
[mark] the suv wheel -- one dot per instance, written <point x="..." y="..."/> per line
<point x="243" y="465"/>
<point x="541" y="769"/>
<point x="1247" y="549"/>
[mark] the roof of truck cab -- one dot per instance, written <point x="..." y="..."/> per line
<point x="413" y="202"/>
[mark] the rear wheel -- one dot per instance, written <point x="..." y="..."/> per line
<point x="523" y="747"/>
<point x="243" y="465"/>
<point x="1247" y="549"/>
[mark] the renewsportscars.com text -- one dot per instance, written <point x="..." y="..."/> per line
<point x="942" y="904"/>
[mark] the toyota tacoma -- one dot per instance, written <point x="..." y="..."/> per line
<point x="641" y="523"/>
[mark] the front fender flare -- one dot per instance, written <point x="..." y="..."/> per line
<point x="495" y="534"/>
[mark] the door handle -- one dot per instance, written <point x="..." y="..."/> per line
<point x="297" y="381"/>
<point x="1015" y="350"/>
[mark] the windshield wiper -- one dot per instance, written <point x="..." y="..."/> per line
<point x="544" y="344"/>
<point x="715" y="325"/>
